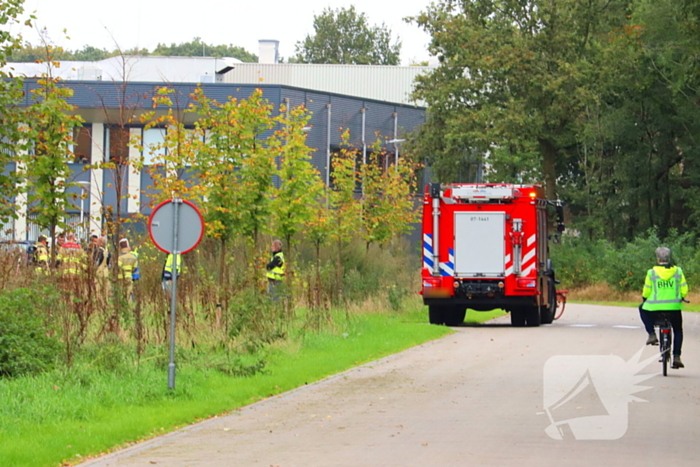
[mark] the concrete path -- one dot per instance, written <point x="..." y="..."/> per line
<point x="472" y="398"/>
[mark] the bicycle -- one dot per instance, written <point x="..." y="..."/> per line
<point x="664" y="324"/>
<point x="662" y="321"/>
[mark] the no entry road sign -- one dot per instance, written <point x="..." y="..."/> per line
<point x="176" y="220"/>
<point x="175" y="226"/>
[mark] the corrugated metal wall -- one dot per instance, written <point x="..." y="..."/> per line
<point x="383" y="83"/>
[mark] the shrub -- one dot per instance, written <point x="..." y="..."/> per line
<point x="625" y="268"/>
<point x="577" y="262"/>
<point x="25" y="344"/>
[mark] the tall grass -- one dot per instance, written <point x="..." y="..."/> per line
<point x="110" y="398"/>
<point x="235" y="345"/>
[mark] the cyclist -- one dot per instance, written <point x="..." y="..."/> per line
<point x="664" y="290"/>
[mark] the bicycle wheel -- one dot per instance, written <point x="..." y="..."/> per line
<point x="665" y="348"/>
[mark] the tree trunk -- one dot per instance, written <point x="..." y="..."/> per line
<point x="549" y="167"/>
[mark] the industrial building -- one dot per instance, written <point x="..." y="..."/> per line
<point x="366" y="100"/>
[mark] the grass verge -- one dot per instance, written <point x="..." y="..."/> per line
<point x="67" y="417"/>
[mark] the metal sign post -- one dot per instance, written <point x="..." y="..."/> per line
<point x="187" y="228"/>
<point x="173" y="299"/>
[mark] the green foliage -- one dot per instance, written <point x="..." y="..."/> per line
<point x="29" y="53"/>
<point x="236" y="164"/>
<point x="59" y="417"/>
<point x="388" y="204"/>
<point x="46" y="170"/>
<point x="197" y="48"/>
<point x="598" y="98"/>
<point x="25" y="345"/>
<point x="512" y="71"/>
<point x="344" y="36"/>
<point x="370" y="272"/>
<point x="11" y="94"/>
<point x="300" y="184"/>
<point x="579" y="262"/>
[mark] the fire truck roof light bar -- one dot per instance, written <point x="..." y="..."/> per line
<point x="483" y="193"/>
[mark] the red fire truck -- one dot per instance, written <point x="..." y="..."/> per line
<point x="485" y="246"/>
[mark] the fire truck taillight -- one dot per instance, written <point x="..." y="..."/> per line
<point x="456" y="284"/>
<point x="533" y="194"/>
<point x="526" y="283"/>
<point x="501" y="285"/>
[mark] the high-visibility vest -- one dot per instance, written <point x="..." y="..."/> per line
<point x="277" y="273"/>
<point x="664" y="294"/>
<point x="168" y="268"/>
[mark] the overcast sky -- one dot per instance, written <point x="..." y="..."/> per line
<point x="145" y="23"/>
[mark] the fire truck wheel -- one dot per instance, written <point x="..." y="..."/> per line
<point x="547" y="312"/>
<point x="436" y="314"/>
<point x="454" y="316"/>
<point x="517" y="317"/>
<point x="534" y="318"/>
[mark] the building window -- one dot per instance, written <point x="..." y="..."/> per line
<point x="117" y="139"/>
<point x="153" y="146"/>
<point x="82" y="144"/>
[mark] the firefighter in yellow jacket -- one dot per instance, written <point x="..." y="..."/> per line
<point x="41" y="254"/>
<point x="71" y="258"/>
<point x="127" y="262"/>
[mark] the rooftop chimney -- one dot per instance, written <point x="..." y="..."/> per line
<point x="269" y="51"/>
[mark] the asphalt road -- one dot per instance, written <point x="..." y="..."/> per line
<point x="476" y="397"/>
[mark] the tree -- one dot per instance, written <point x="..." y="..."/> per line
<point x="388" y="205"/>
<point x="344" y="210"/>
<point x="236" y="165"/>
<point x="11" y="139"/>
<point x="46" y="171"/>
<point x="197" y="48"/>
<point x="29" y="53"/>
<point x="300" y="184"/>
<point x="172" y="159"/>
<point x="513" y="71"/>
<point x="344" y="36"/>
<point x="634" y="165"/>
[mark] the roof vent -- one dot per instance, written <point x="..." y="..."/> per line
<point x="269" y="51"/>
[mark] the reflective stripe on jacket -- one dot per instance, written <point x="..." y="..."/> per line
<point x="71" y="258"/>
<point x="127" y="262"/>
<point x="664" y="289"/>
<point x="41" y="255"/>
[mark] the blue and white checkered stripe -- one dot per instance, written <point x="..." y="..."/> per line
<point x="428" y="251"/>
<point x="446" y="269"/>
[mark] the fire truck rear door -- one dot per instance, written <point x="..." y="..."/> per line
<point x="479" y="244"/>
